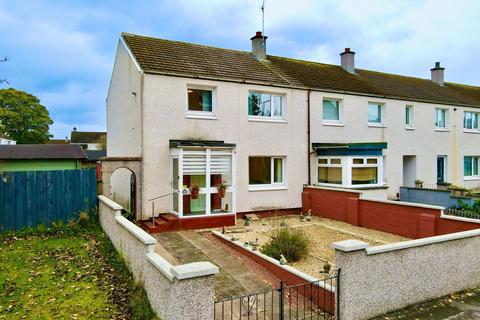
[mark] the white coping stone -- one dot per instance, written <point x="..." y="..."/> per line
<point x="350" y="245"/>
<point x="135" y="230"/>
<point x="160" y="264"/>
<point x="193" y="270"/>
<point x="408" y="204"/>
<point x="334" y="189"/>
<point x="422" y="242"/>
<point x="110" y="203"/>
<point x="445" y="216"/>
<point x="307" y="277"/>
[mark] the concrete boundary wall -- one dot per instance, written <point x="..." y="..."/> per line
<point x="383" y="278"/>
<point x="175" y="292"/>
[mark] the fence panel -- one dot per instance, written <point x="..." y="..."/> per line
<point x="28" y="199"/>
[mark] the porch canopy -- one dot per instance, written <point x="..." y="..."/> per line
<point x="349" y="149"/>
<point x="203" y="172"/>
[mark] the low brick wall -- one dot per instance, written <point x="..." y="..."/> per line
<point x="175" y="292"/>
<point x="325" y="298"/>
<point x="406" y="219"/>
<point x="379" y="279"/>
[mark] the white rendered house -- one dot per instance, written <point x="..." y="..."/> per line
<point x="263" y="126"/>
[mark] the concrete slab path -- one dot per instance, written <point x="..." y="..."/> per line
<point x="235" y="277"/>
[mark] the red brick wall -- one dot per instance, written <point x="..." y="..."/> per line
<point x="404" y="220"/>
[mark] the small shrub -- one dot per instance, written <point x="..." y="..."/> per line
<point x="72" y="224"/>
<point x="57" y="225"/>
<point x="83" y="218"/>
<point x="292" y="244"/>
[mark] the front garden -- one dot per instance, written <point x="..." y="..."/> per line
<point x="66" y="272"/>
<point x="289" y="234"/>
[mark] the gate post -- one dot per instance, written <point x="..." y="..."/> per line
<point x="337" y="295"/>
<point x="281" y="302"/>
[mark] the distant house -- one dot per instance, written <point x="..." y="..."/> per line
<point x="88" y="140"/>
<point x="59" y="141"/>
<point x="4" y="139"/>
<point x="40" y="157"/>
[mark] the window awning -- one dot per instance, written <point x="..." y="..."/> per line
<point x="349" y="149"/>
<point x="200" y="144"/>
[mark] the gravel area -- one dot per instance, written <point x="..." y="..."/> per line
<point x="322" y="233"/>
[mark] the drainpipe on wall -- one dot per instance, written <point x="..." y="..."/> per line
<point x="308" y="136"/>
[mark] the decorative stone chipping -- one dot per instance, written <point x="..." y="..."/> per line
<point x="175" y="292"/>
<point x="379" y="279"/>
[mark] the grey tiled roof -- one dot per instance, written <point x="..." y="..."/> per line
<point x="192" y="60"/>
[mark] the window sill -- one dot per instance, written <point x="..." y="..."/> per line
<point x="471" y="131"/>
<point x="442" y="130"/>
<point x="265" y="119"/>
<point x="471" y="178"/>
<point x="409" y="128"/>
<point x="202" y="116"/>
<point x="333" y="124"/>
<point x="376" y="125"/>
<point x="267" y="187"/>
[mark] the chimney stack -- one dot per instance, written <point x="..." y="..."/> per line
<point x="259" y="46"/>
<point x="348" y="60"/>
<point x="438" y="74"/>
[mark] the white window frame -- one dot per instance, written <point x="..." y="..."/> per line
<point x="330" y="165"/>
<point x="207" y="115"/>
<point x="410" y="109"/>
<point x="472" y="177"/>
<point x="477" y="130"/>
<point x="445" y="125"/>
<point x="338" y="122"/>
<point x="347" y="165"/>
<point x="380" y="124"/>
<point x="178" y="153"/>
<point x="273" y="185"/>
<point x="270" y="118"/>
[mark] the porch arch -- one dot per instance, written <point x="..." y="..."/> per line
<point x="134" y="164"/>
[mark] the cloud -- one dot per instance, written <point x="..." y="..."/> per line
<point x="63" y="51"/>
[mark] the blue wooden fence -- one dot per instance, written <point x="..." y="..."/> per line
<point x="31" y="198"/>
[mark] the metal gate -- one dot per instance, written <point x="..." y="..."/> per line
<point x="311" y="300"/>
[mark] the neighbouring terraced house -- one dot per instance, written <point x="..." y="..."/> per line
<point x="186" y="115"/>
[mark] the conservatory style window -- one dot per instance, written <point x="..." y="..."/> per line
<point x="205" y="181"/>
<point x="350" y="171"/>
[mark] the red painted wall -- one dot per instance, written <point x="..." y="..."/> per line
<point x="407" y="221"/>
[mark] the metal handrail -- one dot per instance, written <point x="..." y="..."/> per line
<point x="153" y="203"/>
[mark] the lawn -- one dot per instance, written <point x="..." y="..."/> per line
<point x="66" y="274"/>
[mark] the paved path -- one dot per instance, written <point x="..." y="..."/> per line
<point x="464" y="306"/>
<point x="234" y="278"/>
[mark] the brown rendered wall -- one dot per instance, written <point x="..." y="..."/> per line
<point x="404" y="220"/>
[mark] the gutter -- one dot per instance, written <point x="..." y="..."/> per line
<point x="309" y="169"/>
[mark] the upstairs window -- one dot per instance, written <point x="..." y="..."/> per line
<point x="470" y="167"/>
<point x="409" y="116"/>
<point x="331" y="110"/>
<point x="200" y="100"/>
<point x="440" y="118"/>
<point x="470" y="120"/>
<point x="266" y="105"/>
<point x="375" y="115"/>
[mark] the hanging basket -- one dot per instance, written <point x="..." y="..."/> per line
<point x="194" y="193"/>
<point x="222" y="192"/>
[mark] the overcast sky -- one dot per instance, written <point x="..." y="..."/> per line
<point x="63" y="51"/>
